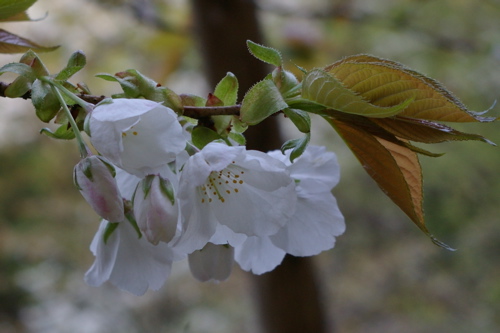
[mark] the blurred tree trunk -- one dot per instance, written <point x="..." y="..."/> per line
<point x="288" y="298"/>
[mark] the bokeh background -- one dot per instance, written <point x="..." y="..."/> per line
<point x="384" y="275"/>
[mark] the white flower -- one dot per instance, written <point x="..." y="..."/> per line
<point x="212" y="263"/>
<point x="129" y="262"/>
<point x="316" y="221"/>
<point x="249" y="192"/>
<point x="94" y="178"/>
<point x="155" y="209"/>
<point x="136" y="135"/>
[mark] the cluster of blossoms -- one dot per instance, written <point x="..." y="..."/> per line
<point x="216" y="205"/>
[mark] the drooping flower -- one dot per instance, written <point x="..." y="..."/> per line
<point x="316" y="221"/>
<point x="249" y="192"/>
<point x="94" y="178"/>
<point x="136" y="135"/>
<point x="155" y="209"/>
<point x="128" y="261"/>
<point x="212" y="263"/>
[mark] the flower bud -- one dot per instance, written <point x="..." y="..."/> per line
<point x="155" y="209"/>
<point x="94" y="178"/>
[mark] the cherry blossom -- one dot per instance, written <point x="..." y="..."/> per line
<point x="136" y="135"/>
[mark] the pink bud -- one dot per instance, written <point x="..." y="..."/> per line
<point x="155" y="209"/>
<point x="94" y="177"/>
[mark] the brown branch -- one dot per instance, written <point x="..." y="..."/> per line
<point x="189" y="111"/>
<point x="207" y="111"/>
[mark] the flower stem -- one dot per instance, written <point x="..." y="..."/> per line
<point x="85" y="105"/>
<point x="78" y="136"/>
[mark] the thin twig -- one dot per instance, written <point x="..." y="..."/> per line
<point x="189" y="111"/>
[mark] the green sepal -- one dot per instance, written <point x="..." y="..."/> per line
<point x="63" y="132"/>
<point x="299" y="118"/>
<point x="202" y="136"/>
<point x="110" y="228"/>
<point x="298" y="146"/>
<point x="146" y="184"/>
<point x="75" y="63"/>
<point x="265" y="54"/>
<point x="261" y="101"/>
<point x="227" y="89"/>
<point x="167" y="189"/>
<point x="44" y="100"/>
<point x="129" y="214"/>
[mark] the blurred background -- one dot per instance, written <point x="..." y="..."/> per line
<point x="384" y="275"/>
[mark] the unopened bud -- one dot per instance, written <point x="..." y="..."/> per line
<point x="155" y="209"/>
<point x="94" y="178"/>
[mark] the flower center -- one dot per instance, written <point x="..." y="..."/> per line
<point x="222" y="183"/>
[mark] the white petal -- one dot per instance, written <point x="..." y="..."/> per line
<point x="259" y="255"/>
<point x="223" y="235"/>
<point x="254" y="211"/>
<point x="317" y="169"/>
<point x="127" y="183"/>
<point x="105" y="254"/>
<point x="130" y="263"/>
<point x="313" y="227"/>
<point x="198" y="226"/>
<point x="213" y="262"/>
<point x="137" y="135"/>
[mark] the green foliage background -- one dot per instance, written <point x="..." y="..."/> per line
<point x="384" y="275"/>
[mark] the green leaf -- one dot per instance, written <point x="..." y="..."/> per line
<point x="75" y="63"/>
<point x="11" y="43"/>
<point x="386" y="83"/>
<point x="10" y="8"/>
<point x="20" y="69"/>
<point x="44" y="100"/>
<point x="202" y="136"/>
<point x="265" y="54"/>
<point x="286" y="82"/>
<point x="298" y="146"/>
<point x="300" y="119"/>
<point x="20" y="86"/>
<point x="238" y="138"/>
<point x="323" y="88"/>
<point x="261" y="101"/>
<point x="130" y="90"/>
<point x="63" y="132"/>
<point x="227" y="89"/>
